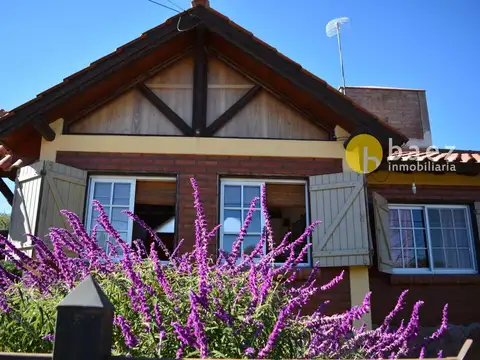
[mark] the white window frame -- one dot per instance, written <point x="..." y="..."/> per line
<point x="94" y="179"/>
<point x="259" y="182"/>
<point x="431" y="270"/>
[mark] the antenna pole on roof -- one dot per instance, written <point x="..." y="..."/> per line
<point x="332" y="29"/>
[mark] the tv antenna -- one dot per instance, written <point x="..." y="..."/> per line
<point x="332" y="29"/>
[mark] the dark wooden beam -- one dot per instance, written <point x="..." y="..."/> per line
<point x="123" y="89"/>
<point x="312" y="119"/>
<point x="232" y="111"/>
<point x="5" y="190"/>
<point x="165" y="110"/>
<point x="44" y="129"/>
<point x="200" y="82"/>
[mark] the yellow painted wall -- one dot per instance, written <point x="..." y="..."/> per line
<point x="396" y="178"/>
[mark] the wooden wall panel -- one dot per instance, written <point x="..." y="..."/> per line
<point x="267" y="117"/>
<point x="129" y="114"/>
<point x="174" y="86"/>
<point x="156" y="193"/>
<point x="225" y="88"/>
<point x="285" y="195"/>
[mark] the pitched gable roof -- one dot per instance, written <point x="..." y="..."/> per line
<point x="353" y="118"/>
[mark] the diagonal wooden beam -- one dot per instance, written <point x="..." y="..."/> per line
<point x="232" y="111"/>
<point x="165" y="110"/>
<point x="44" y="129"/>
<point x="122" y="89"/>
<point x="200" y="82"/>
<point x="5" y="190"/>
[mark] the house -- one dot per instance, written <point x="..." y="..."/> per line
<point x="199" y="96"/>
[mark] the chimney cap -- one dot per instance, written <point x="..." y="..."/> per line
<point x="205" y="3"/>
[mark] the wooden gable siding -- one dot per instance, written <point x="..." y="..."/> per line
<point x="174" y="87"/>
<point x="129" y="114"/>
<point x="267" y="117"/>
<point x="263" y="116"/>
<point x="225" y="88"/>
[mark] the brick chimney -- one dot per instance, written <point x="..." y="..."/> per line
<point x="205" y="3"/>
<point x="404" y="109"/>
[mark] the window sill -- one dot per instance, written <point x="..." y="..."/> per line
<point x="425" y="279"/>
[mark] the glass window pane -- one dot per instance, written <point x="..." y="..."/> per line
<point x="397" y="258"/>
<point x="462" y="238"/>
<point x="232" y="221"/>
<point x="94" y="217"/>
<point x="438" y="258"/>
<point x="459" y="218"/>
<point x="418" y="218"/>
<point x="249" y="243"/>
<point x="434" y="218"/>
<point x="451" y="258"/>
<point x="393" y="219"/>
<point x="409" y="258"/>
<point x="449" y="238"/>
<point x="119" y="219"/>
<point x="250" y="192"/>
<point x="447" y="218"/>
<point x="420" y="238"/>
<point x="231" y="196"/>
<point x="464" y="259"/>
<point x="102" y="239"/>
<point x="395" y="239"/>
<point x="119" y="250"/>
<point x="121" y="194"/>
<point x="407" y="238"/>
<point x="406" y="218"/>
<point x="228" y="241"/>
<point x="255" y="225"/>
<point x="102" y="192"/>
<point x="436" y="238"/>
<point x="422" y="258"/>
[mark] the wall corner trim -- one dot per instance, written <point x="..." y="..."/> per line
<point x="359" y="287"/>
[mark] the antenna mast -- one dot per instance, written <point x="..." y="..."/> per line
<point x="332" y="29"/>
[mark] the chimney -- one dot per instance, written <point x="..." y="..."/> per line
<point x="205" y="3"/>
<point x="404" y="109"/>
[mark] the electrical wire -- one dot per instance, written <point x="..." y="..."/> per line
<point x="164" y="6"/>
<point x="175" y="4"/>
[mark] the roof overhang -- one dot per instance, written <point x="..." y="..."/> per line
<point x="144" y="55"/>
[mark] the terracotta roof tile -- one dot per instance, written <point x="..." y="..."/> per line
<point x="457" y="157"/>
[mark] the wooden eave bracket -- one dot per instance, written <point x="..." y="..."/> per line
<point x="44" y="129"/>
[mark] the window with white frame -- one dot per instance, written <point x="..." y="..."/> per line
<point x="153" y="200"/>
<point x="431" y="239"/>
<point x="287" y="206"/>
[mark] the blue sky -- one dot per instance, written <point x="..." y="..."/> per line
<point x="432" y="45"/>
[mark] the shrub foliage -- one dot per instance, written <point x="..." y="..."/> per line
<point x="196" y="306"/>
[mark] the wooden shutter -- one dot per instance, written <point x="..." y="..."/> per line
<point x="42" y="190"/>
<point x="339" y="202"/>
<point x="25" y="205"/>
<point x="382" y="231"/>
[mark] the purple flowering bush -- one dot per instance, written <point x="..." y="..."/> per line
<point x="196" y="306"/>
